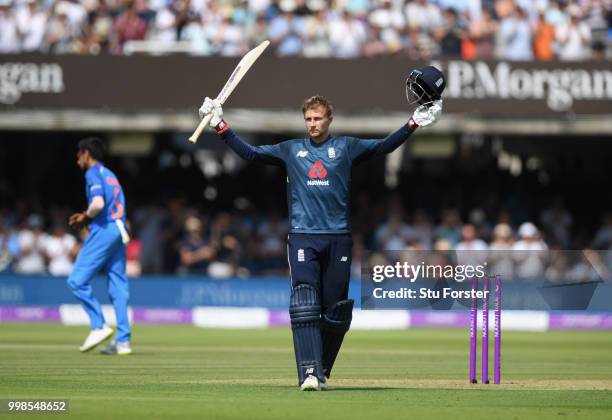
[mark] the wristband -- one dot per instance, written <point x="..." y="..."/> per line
<point x="222" y="127"/>
<point x="412" y="124"/>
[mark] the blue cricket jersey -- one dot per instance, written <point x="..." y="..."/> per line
<point x="101" y="181"/>
<point x="318" y="175"/>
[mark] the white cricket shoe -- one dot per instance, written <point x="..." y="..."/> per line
<point x="96" y="337"/>
<point x="324" y="386"/>
<point x="311" y="384"/>
<point x="121" y="349"/>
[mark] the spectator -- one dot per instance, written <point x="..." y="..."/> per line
<point x="75" y="13"/>
<point x="228" y="247"/>
<point x="164" y="27"/>
<point x="257" y="32"/>
<point x="356" y="8"/>
<point x="32" y="247"/>
<point x="271" y="250"/>
<point x="61" y="249"/>
<point x="31" y="23"/>
<point x="424" y="16"/>
<point x="259" y="6"/>
<point x="285" y="31"/>
<point x="482" y="33"/>
<point x="128" y="27"/>
<point x="230" y="39"/>
<point x="449" y="227"/>
<point x="394" y="234"/>
<point x="101" y="29"/>
<point x="9" y="246"/>
<point x="515" y="37"/>
<point x="423" y="20"/>
<point x="423" y="230"/>
<point x="599" y="52"/>
<point x="61" y="36"/>
<point x="149" y="221"/>
<point x="450" y="34"/>
<point x="347" y="35"/>
<point x="9" y="35"/>
<point x="574" y="37"/>
<point x="557" y="222"/>
<point x="500" y="255"/>
<point x="196" y="252"/>
<point x="387" y="17"/>
<point x="387" y="24"/>
<point x="543" y="39"/>
<point x="470" y="241"/>
<point x="133" y="250"/>
<point x="603" y="236"/>
<point x="530" y="252"/>
<point x="316" y="35"/>
<point x="554" y="15"/>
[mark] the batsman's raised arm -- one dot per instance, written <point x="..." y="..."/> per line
<point x="271" y="154"/>
<point x="423" y="116"/>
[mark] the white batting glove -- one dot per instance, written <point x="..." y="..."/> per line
<point x="426" y="115"/>
<point x="206" y="108"/>
<point x="217" y="113"/>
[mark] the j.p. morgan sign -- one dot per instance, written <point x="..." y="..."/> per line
<point x="558" y="87"/>
<point x="361" y="86"/>
<point x="19" y="78"/>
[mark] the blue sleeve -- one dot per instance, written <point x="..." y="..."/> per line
<point x="12" y="245"/>
<point x="94" y="183"/>
<point x="272" y="154"/>
<point x="361" y="149"/>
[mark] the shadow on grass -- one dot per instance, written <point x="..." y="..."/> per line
<point x="339" y="389"/>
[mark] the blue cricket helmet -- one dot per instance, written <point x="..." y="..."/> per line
<point x="425" y="85"/>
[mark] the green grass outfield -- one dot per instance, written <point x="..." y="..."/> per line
<point x="180" y="372"/>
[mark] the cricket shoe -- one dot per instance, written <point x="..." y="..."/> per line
<point x="121" y="349"/>
<point x="96" y="337"/>
<point x="311" y="384"/>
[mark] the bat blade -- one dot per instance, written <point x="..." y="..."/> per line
<point x="241" y="69"/>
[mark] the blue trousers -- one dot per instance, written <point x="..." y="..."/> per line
<point x="324" y="262"/>
<point x="103" y="250"/>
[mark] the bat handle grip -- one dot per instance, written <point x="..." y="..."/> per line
<point x="201" y="127"/>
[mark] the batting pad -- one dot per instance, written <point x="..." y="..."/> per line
<point x="305" y="313"/>
<point x="335" y="323"/>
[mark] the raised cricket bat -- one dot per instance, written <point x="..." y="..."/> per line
<point x="241" y="69"/>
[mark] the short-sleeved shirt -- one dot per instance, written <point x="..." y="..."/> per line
<point x="101" y="181"/>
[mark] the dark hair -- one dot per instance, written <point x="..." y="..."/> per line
<point x="315" y="101"/>
<point x="94" y="146"/>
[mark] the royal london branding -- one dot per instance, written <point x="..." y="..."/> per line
<point x="317" y="175"/>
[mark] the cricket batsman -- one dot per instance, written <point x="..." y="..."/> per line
<point x="103" y="250"/>
<point x="319" y="242"/>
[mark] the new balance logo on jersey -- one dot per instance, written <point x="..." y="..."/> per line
<point x="344" y="259"/>
<point x="302" y="153"/>
<point x="301" y="257"/>
<point x="317" y="175"/>
<point x="331" y="153"/>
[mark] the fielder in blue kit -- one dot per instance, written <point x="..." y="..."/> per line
<point x="319" y="243"/>
<point x="103" y="250"/>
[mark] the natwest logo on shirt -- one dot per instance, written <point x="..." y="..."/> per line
<point x="317" y="174"/>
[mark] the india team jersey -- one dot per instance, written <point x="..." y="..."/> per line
<point x="318" y="175"/>
<point x="101" y="181"/>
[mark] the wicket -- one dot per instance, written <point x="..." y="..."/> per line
<point x="485" y="333"/>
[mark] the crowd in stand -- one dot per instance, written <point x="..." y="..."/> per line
<point x="179" y="239"/>
<point x="419" y="29"/>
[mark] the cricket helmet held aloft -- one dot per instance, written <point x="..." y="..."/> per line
<point x="425" y="85"/>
